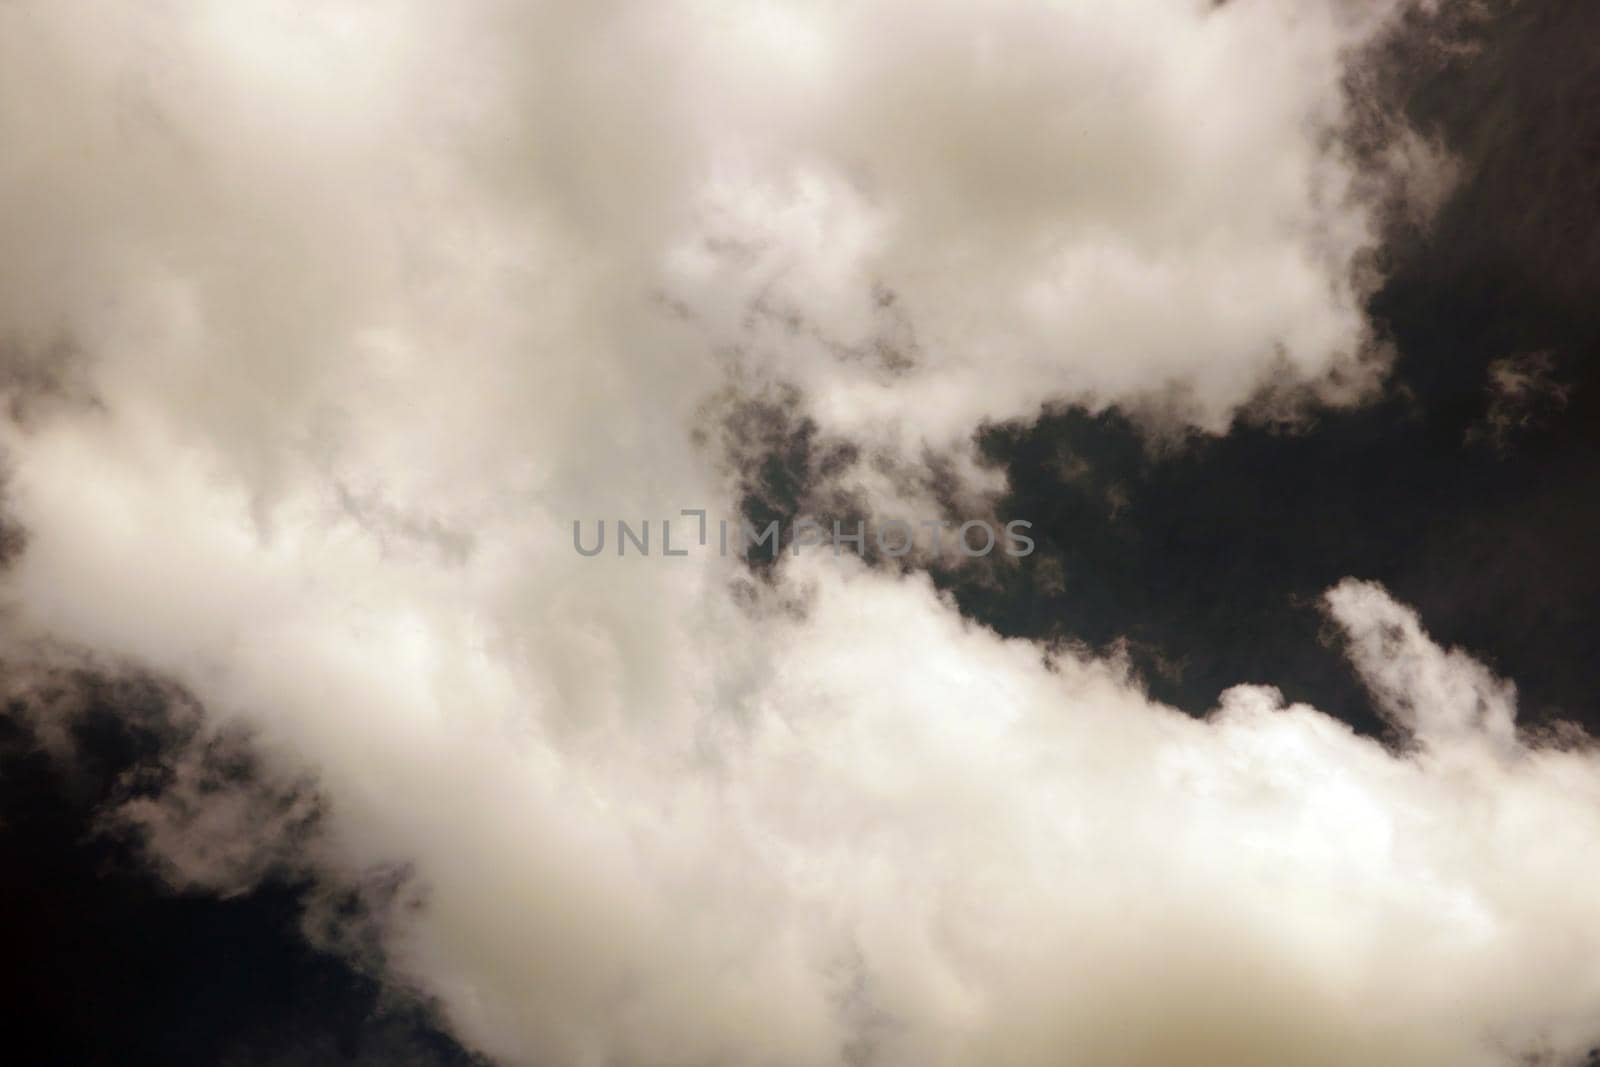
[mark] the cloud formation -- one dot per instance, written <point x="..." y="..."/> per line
<point x="335" y="319"/>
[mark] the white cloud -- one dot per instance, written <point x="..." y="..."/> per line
<point x="376" y="300"/>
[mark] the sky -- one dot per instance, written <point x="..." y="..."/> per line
<point x="331" y="334"/>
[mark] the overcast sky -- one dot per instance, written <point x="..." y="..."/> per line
<point x="1273" y="321"/>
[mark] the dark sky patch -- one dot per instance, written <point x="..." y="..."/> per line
<point x="104" y="964"/>
<point x="1472" y="489"/>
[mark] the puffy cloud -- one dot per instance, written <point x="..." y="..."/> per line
<point x="923" y="214"/>
<point x="958" y="211"/>
<point x="747" y="840"/>
<point x="349" y="312"/>
<point x="1438" y="697"/>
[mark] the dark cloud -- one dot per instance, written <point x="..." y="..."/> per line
<point x="1525" y="392"/>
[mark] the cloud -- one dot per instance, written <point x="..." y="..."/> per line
<point x="1524" y="392"/>
<point x="368" y="303"/>
<point x="1437" y="697"/>
<point x="927" y="214"/>
<point x="985" y="855"/>
<point x="956" y="212"/>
